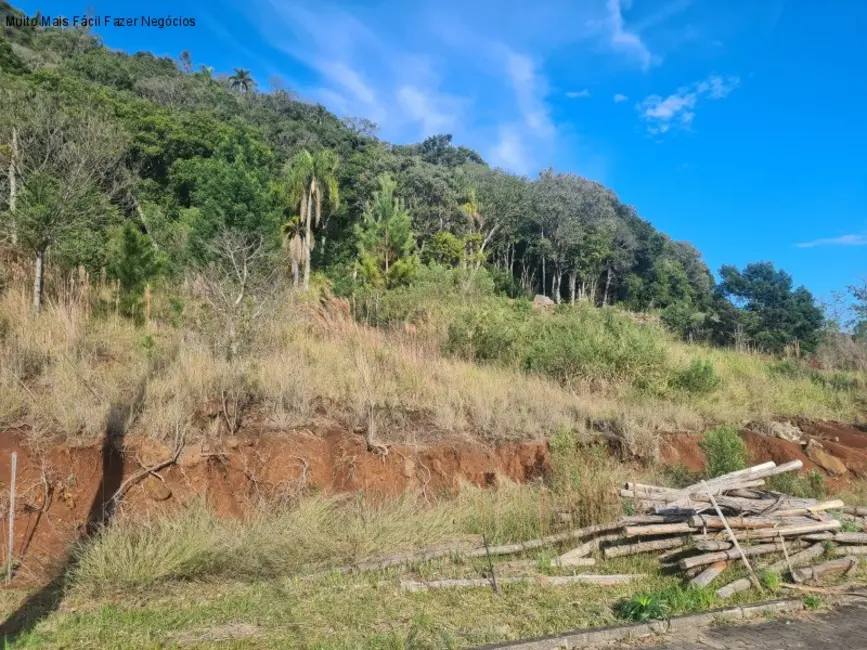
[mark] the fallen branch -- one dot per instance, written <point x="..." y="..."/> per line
<point x="749" y="551"/>
<point x="642" y="547"/>
<point x="707" y="576"/>
<point x="147" y="471"/>
<point x="819" y="571"/>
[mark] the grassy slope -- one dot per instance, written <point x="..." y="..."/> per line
<point x="197" y="580"/>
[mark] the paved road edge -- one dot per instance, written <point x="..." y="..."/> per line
<point x="605" y="635"/>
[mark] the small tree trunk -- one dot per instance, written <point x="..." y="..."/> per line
<point x="295" y="273"/>
<point x="607" y="287"/>
<point x="544" y="288"/>
<point x="39" y="279"/>
<point x="573" y="281"/>
<point x="308" y="241"/>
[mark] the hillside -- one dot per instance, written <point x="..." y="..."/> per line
<point x="244" y="343"/>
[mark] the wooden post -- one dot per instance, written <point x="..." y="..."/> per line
<point x="13" y="472"/>
<point x="734" y="540"/>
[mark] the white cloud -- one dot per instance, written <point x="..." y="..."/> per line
<point x="578" y="94"/>
<point x="510" y="152"/>
<point x="422" y="107"/>
<point x="843" y="240"/>
<point x="622" y="40"/>
<point x="678" y="109"/>
<point x="620" y="98"/>
<point x="530" y="90"/>
<point x="361" y="73"/>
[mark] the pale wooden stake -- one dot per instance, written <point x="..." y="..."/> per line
<point x="733" y="538"/>
<point x="14" y="471"/>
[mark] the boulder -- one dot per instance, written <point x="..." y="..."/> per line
<point x="542" y="301"/>
<point x="786" y="431"/>
<point x="156" y="489"/>
<point x="831" y="464"/>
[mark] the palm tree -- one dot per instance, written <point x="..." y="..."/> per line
<point x="309" y="180"/>
<point x="242" y="81"/>
<point x="293" y="242"/>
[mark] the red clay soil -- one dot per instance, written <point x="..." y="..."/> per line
<point x="230" y="476"/>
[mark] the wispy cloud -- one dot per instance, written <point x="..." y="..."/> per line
<point x="678" y="109"/>
<point x="510" y="152"/>
<point x="843" y="240"/>
<point x="530" y="90"/>
<point x="620" y="98"/>
<point x="360" y="72"/>
<point x="623" y="40"/>
<point x="578" y="94"/>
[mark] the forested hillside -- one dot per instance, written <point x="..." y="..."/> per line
<point x="148" y="168"/>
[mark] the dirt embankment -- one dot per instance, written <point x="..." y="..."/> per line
<point x="61" y="488"/>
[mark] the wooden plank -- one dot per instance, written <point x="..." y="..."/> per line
<point x="712" y="545"/>
<point x="819" y="507"/>
<point x="858" y="511"/>
<point x="738" y="474"/>
<point x="707" y="576"/>
<point x="749" y="551"/>
<point x="550" y="581"/>
<point x="819" y="571"/>
<point x="788" y="531"/>
<point x="851" y="550"/>
<point x="642" y="547"/>
<point x="589" y="547"/>
<point x="657" y="529"/>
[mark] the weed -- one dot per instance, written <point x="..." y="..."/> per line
<point x="642" y="607"/>
<point x="770" y="580"/>
<point x="813" y="601"/>
<point x="724" y="451"/>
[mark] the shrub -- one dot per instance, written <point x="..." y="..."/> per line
<point x="724" y="451"/>
<point x="642" y="607"/>
<point x="699" y="378"/>
<point x="809" y="486"/>
<point x="813" y="601"/>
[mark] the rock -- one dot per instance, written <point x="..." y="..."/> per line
<point x="786" y="431"/>
<point x="831" y="464"/>
<point x="191" y="455"/>
<point x="152" y="452"/>
<point x="542" y="301"/>
<point x="156" y="489"/>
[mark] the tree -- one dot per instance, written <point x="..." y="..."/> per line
<point x="310" y="179"/>
<point x="135" y="263"/>
<point x="69" y="167"/>
<point x="859" y="308"/>
<point x="186" y="61"/>
<point x="780" y="316"/>
<point x="242" y="81"/>
<point x="385" y="238"/>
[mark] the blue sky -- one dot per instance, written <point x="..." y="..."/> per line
<point x="738" y="126"/>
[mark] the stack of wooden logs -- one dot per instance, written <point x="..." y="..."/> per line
<point x="702" y="529"/>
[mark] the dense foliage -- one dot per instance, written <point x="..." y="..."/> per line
<point x="147" y="151"/>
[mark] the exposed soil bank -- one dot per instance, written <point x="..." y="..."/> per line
<point x="58" y="485"/>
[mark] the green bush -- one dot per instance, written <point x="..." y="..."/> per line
<point x="809" y="486"/>
<point x="665" y="602"/>
<point x="571" y="343"/>
<point x="699" y="378"/>
<point x="724" y="451"/>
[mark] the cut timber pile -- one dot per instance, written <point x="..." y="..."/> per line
<point x="705" y="527"/>
<point x="698" y="531"/>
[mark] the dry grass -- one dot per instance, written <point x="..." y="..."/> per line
<point x="62" y="369"/>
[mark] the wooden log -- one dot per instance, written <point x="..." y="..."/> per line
<point x="788" y="531"/>
<point x="819" y="571"/>
<point x="798" y="559"/>
<point x="851" y="550"/>
<point x="573" y="562"/>
<point x="850" y="538"/>
<point x="551" y="581"/>
<point x="729" y="590"/>
<point x="707" y="576"/>
<point x="858" y="511"/>
<point x="665" y="557"/>
<point x="749" y="551"/>
<point x="657" y="529"/>
<point x="640" y="520"/>
<point x="818" y="537"/>
<point x="410" y="557"/>
<point x="642" y="547"/>
<point x="589" y="547"/>
<point x="732" y="475"/>
<point x="744" y="523"/>
<point x="712" y="545"/>
<point x="520" y="547"/>
<point x="819" y="507"/>
<point x="734" y="539"/>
